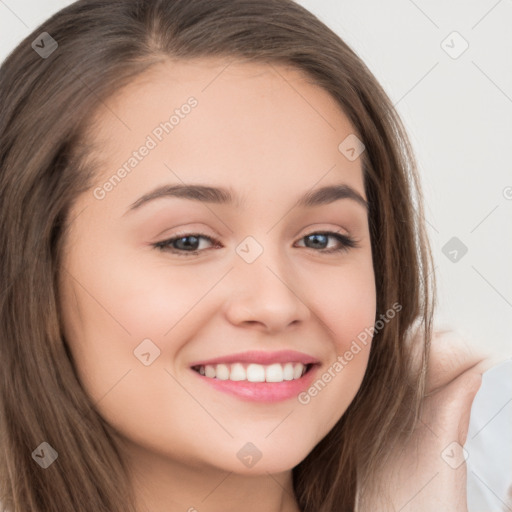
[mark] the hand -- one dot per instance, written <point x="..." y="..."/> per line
<point x="429" y="473"/>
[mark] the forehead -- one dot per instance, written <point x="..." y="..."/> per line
<point x="253" y="124"/>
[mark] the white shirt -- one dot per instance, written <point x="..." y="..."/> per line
<point x="489" y="442"/>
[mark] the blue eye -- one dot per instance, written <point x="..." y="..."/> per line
<point x="322" y="238"/>
<point x="184" y="243"/>
<point x="188" y="244"/>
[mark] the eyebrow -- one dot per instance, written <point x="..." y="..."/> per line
<point x="220" y="195"/>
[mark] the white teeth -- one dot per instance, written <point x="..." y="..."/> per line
<point x="254" y="372"/>
<point x="297" y="371"/>
<point x="274" y="373"/>
<point x="288" y="371"/>
<point x="209" y="371"/>
<point x="222" y="372"/>
<point x="237" y="372"/>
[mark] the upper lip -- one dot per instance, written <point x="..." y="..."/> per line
<point x="261" y="357"/>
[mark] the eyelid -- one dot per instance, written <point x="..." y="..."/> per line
<point x="347" y="242"/>
<point x="164" y="243"/>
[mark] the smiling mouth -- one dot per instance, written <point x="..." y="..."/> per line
<point x="276" y="372"/>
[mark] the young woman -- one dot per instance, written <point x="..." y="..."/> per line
<point x="218" y="292"/>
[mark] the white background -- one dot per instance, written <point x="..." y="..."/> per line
<point x="458" y="113"/>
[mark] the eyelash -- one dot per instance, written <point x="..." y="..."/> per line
<point x="346" y="242"/>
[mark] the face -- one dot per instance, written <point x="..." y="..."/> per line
<point x="178" y="303"/>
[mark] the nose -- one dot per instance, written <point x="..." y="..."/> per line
<point x="266" y="294"/>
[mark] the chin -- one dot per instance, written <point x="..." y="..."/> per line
<point x="268" y="457"/>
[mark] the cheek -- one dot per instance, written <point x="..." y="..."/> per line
<point x="114" y="302"/>
<point x="121" y="298"/>
<point x="345" y="299"/>
<point x="347" y="308"/>
<point x="106" y="318"/>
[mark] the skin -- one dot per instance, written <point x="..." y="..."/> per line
<point x="271" y="136"/>
<point x="419" y="476"/>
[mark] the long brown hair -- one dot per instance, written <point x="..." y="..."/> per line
<point x="45" y="107"/>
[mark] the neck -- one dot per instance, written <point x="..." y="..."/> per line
<point x="164" y="485"/>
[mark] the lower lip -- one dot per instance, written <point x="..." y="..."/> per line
<point x="262" y="391"/>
